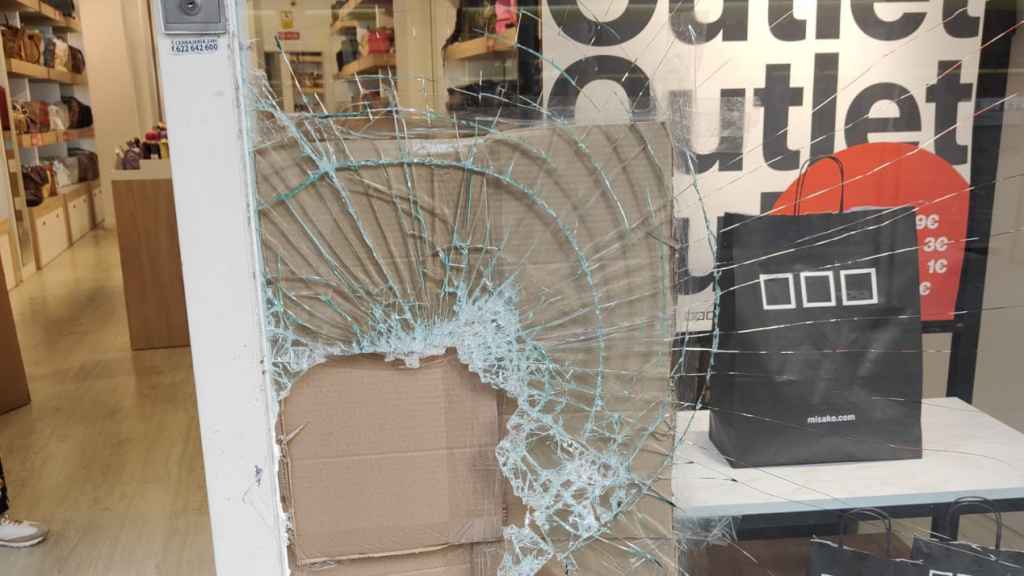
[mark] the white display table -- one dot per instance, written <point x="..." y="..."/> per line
<point x="966" y="453"/>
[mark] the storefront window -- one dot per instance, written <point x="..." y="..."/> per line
<point x="644" y="286"/>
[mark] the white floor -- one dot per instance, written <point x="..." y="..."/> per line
<point x="108" y="453"/>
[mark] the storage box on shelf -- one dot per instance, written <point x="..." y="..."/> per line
<point x="98" y="199"/>
<point x="78" y="203"/>
<point x="68" y="215"/>
<point x="50" y="229"/>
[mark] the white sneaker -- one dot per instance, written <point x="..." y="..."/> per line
<point x="14" y="534"/>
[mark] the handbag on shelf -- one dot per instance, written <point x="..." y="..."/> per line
<point x="12" y="39"/>
<point x="79" y="113"/>
<point x="31" y="117"/>
<point x="61" y="55"/>
<point x="820" y="336"/>
<point x="39" y="179"/>
<point x="32" y="47"/>
<point x="59" y="119"/>
<point x="834" y="558"/>
<point x="49" y="47"/>
<point x="76" y="60"/>
<point x="380" y="40"/>
<point x="33" y="190"/>
<point x="62" y="173"/>
<point x="21" y="121"/>
<point x="38" y="115"/>
<point x="132" y="158"/>
<point x="945" y="556"/>
<point x="88" y="164"/>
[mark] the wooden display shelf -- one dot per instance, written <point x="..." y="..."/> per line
<point x="73" y="24"/>
<point x="298" y="58"/>
<point x="61" y="76"/>
<point x="365" y="64"/>
<point x="65" y="77"/>
<point x="78" y="134"/>
<point x="50" y="13"/>
<point x="24" y="69"/>
<point x="25" y="6"/>
<point x="502" y="44"/>
<point x="78" y="189"/>
<point x="355" y="6"/>
<point x="37" y="139"/>
<point x="37" y="12"/>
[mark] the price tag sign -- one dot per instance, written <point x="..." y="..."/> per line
<point x="892" y="174"/>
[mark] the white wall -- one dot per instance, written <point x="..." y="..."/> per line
<point x="118" y="60"/>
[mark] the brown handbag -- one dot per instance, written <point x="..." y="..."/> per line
<point x="12" y="38"/>
<point x="77" y="60"/>
<point x="88" y="164"/>
<point x="79" y="113"/>
<point x="32" y="47"/>
<point x="21" y="123"/>
<point x="38" y="179"/>
<point x="37" y="115"/>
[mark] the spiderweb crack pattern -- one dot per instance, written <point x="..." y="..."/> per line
<point x="536" y="252"/>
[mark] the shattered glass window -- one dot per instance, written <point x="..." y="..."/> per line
<point x="642" y="286"/>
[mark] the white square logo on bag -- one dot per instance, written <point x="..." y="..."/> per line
<point x="857" y="287"/>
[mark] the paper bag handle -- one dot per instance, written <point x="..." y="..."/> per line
<point x="803" y="175"/>
<point x="873" y="513"/>
<point x="983" y="503"/>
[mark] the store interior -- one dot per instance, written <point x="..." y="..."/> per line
<point x="100" y="429"/>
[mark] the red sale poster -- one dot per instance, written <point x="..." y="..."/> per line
<point x="893" y="174"/>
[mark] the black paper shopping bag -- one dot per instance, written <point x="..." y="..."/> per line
<point x="835" y="559"/>
<point x="943" y="556"/>
<point x="818" y="356"/>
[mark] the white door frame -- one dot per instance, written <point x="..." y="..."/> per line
<point x="212" y="179"/>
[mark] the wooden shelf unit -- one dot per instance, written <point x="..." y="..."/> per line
<point x="23" y="6"/>
<point x="87" y="133"/>
<point x="38" y="12"/>
<point x="366" y="64"/>
<point x="22" y="69"/>
<point x="353" y="6"/>
<point x="61" y="219"/>
<point x="503" y="44"/>
<point x="79" y="188"/>
<point x="37" y="139"/>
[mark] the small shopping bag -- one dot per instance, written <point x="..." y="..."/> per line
<point x="944" y="556"/>
<point x="835" y="559"/>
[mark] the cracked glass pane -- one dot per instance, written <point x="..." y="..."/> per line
<point x="726" y="264"/>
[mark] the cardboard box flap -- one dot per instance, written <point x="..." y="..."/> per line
<point x="463" y="560"/>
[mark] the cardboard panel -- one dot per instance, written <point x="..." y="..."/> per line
<point x="385" y="459"/>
